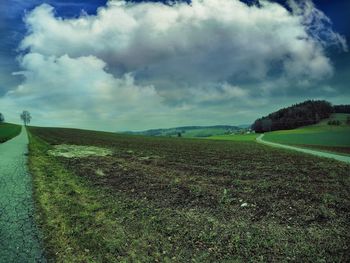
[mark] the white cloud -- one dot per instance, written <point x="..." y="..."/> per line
<point x="81" y="89"/>
<point x="222" y="93"/>
<point x="317" y="24"/>
<point x="149" y="59"/>
<point x="183" y="42"/>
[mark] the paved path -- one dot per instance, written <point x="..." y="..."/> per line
<point x="19" y="238"/>
<point x="338" y="157"/>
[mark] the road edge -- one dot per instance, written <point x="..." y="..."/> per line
<point x="337" y="157"/>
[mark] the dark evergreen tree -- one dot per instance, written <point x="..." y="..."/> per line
<point x="305" y="113"/>
<point x="342" y="108"/>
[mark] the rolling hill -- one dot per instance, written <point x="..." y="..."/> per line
<point x="190" y="131"/>
<point x="322" y="136"/>
<point x="298" y="115"/>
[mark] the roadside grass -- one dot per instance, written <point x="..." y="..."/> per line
<point x="8" y="131"/>
<point x="181" y="200"/>
<point x="320" y="136"/>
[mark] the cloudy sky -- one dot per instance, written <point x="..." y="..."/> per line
<point x="126" y="65"/>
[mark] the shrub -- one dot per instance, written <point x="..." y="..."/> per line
<point x="334" y="122"/>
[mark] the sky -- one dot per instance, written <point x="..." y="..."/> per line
<point x="135" y="65"/>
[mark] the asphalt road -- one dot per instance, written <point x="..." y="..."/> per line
<point x="338" y="157"/>
<point x="19" y="236"/>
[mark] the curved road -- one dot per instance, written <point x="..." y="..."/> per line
<point x="19" y="237"/>
<point x="338" y="157"/>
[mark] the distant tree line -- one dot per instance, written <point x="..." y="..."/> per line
<point x="2" y="118"/>
<point x="341" y="108"/>
<point x="297" y="115"/>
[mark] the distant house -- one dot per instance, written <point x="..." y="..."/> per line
<point x="250" y="131"/>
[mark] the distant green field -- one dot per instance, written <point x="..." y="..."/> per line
<point x="205" y="132"/>
<point x="189" y="131"/>
<point x="321" y="135"/>
<point x="235" y="137"/>
<point x="342" y="117"/>
<point x="8" y="131"/>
